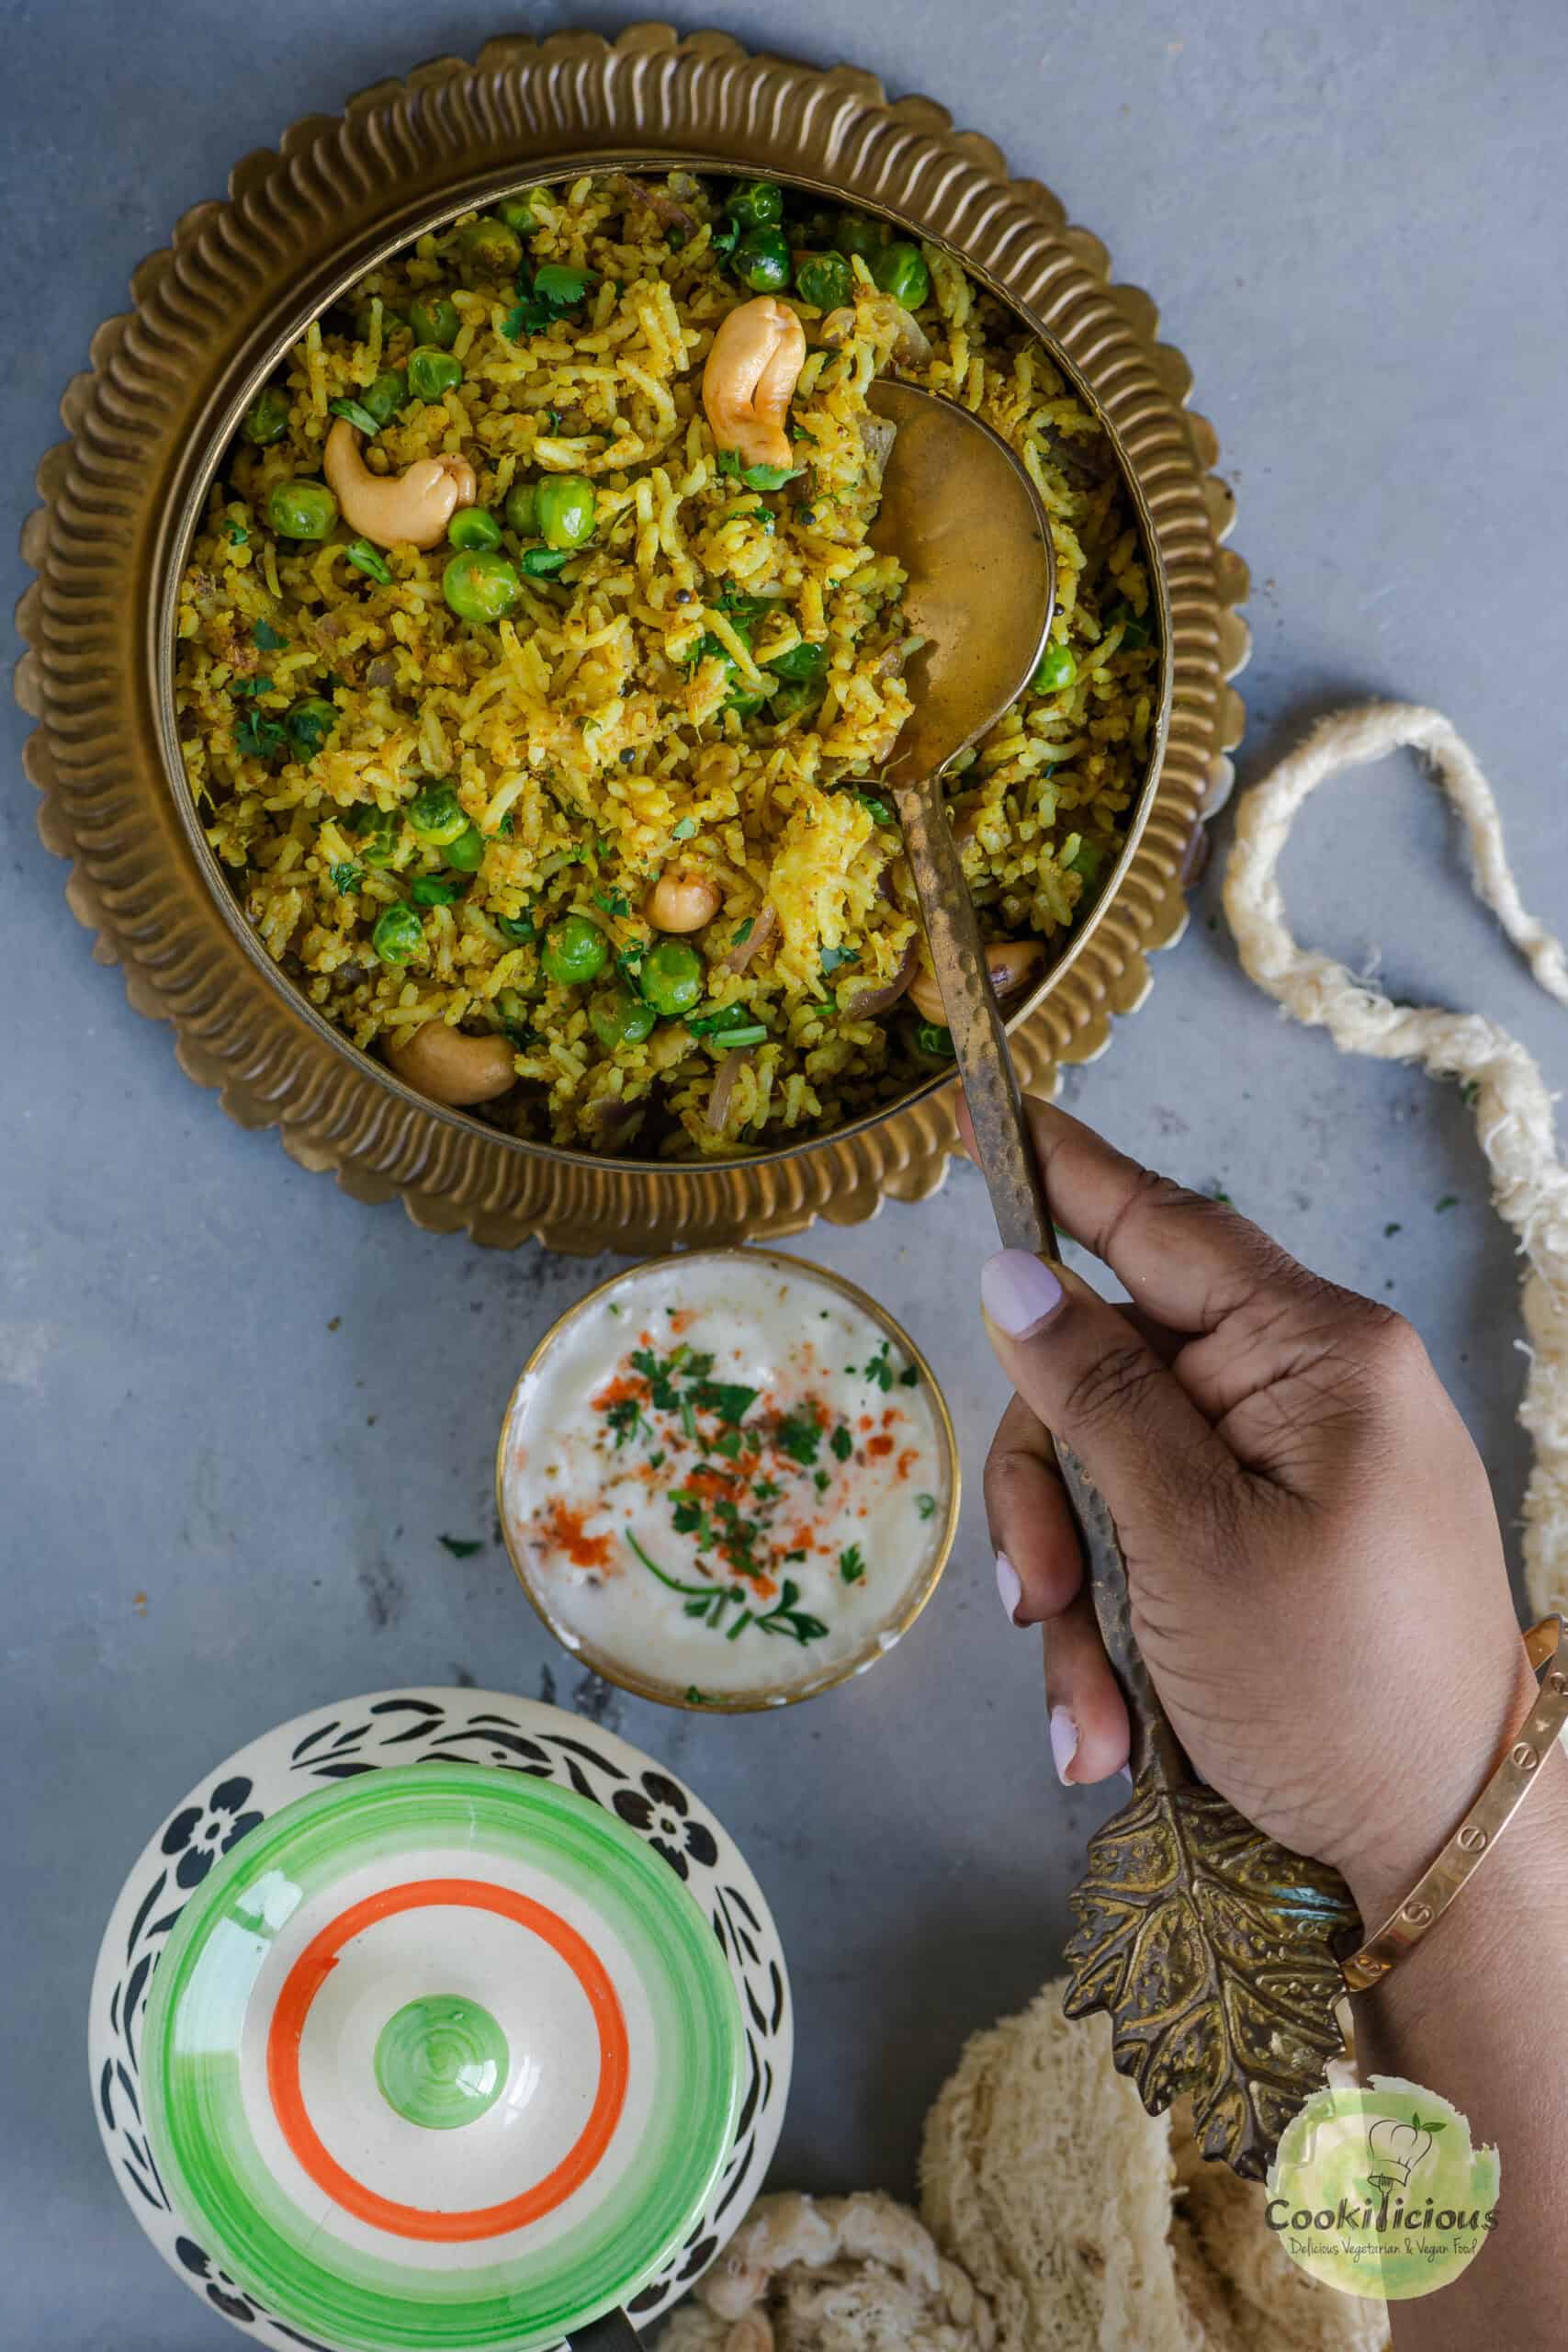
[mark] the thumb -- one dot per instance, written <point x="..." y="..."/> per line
<point x="1093" y="1379"/>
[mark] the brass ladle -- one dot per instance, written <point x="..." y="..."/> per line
<point x="1210" y="1947"/>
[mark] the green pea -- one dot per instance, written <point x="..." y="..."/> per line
<point x="399" y="934"/>
<point x="857" y="233"/>
<point x="386" y="396"/>
<point x="523" y="509"/>
<point x="481" y="586"/>
<point x="376" y="830"/>
<point x="436" y="815"/>
<point x="466" y="854"/>
<point x="825" y="280"/>
<point x="433" y="320"/>
<point x="309" y="721"/>
<point x="490" y="247"/>
<point x="565" y="504"/>
<point x="1058" y="669"/>
<point x="620" y="1019"/>
<point x="575" y="951"/>
<point x="672" y="978"/>
<point x="266" y="419"/>
<point x="761" y="260"/>
<point x="756" y="203"/>
<point x="802" y="660"/>
<point x="473" y="527"/>
<point x="900" y="270"/>
<point x="430" y="890"/>
<point x="301" y="510"/>
<point x="517" y="211"/>
<point x="432" y="373"/>
<point x="561" y="287"/>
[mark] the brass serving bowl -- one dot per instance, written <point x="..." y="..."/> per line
<point x="152" y="420"/>
<point x="760" y="1694"/>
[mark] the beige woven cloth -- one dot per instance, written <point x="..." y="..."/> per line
<point x="1056" y="2215"/>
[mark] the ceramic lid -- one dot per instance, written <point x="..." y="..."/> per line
<point x="441" y="2057"/>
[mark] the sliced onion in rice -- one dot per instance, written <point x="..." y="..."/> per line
<point x="763" y="926"/>
<point x="729" y="1071"/>
<point x="877" y="438"/>
<point x="865" y="1003"/>
<point x="614" y="1122"/>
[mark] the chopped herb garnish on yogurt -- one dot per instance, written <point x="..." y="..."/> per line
<point x="851" y="1567"/>
<point x="926" y="1506"/>
<point x="842" y="1444"/>
<point x="799" y="1436"/>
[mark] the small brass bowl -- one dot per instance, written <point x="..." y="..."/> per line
<point x="761" y="1694"/>
<point x="151" y="424"/>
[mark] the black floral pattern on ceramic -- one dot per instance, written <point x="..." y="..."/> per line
<point x="658" y="1809"/>
<point x="406" y="1728"/>
<point x="200" y="1834"/>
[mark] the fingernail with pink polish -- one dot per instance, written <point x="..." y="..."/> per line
<point x="1018" y="1291"/>
<point x="1063" y="1742"/>
<point x="1009" y="1586"/>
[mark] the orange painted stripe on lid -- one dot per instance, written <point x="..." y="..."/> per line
<point x="310" y="1972"/>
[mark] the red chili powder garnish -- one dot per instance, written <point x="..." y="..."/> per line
<point x="620" y="1391"/>
<point x="865" y="1422"/>
<point x="879" y="1445"/>
<point x="683" y="1320"/>
<point x="567" y="1531"/>
<point x="906" y="1461"/>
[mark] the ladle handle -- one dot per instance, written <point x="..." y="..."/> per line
<point x="1011" y="1168"/>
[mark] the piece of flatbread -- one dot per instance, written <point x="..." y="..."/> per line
<point x="1090" y="2226"/>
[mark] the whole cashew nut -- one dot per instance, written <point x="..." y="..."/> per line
<point x="440" y="1061"/>
<point x="410" y="509"/>
<point x="751" y="372"/>
<point x="1010" y="962"/>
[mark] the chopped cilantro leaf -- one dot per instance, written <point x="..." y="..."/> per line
<point x="1391" y="1230"/>
<point x="822" y="1480"/>
<point x="744" y="933"/>
<point x="236" y="534"/>
<point x="879" y="1369"/>
<point x="832" y="958"/>
<point x="851" y="1567"/>
<point x="462" y="1547"/>
<point x="908" y="1377"/>
<point x="265" y="636"/>
<point x="841" y="1441"/>
<point x="1449" y="1201"/>
<point x="799" y="1436"/>
<point x="615" y="902"/>
<point x="345" y="878"/>
<point x="685" y="829"/>
<point x="728" y="1398"/>
<point x="926" y="1506"/>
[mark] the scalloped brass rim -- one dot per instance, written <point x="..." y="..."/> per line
<point x="162" y="376"/>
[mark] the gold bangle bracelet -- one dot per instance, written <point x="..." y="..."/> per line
<point x="1482" y="1825"/>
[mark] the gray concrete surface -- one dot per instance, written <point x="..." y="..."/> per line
<point x="226" y="1387"/>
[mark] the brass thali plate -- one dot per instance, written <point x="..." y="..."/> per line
<point x="168" y="378"/>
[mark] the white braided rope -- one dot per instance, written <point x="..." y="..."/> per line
<point x="1504" y="1087"/>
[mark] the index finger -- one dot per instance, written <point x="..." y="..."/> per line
<point x="1187" y="1259"/>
